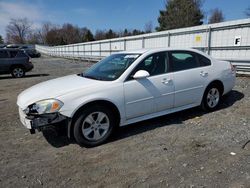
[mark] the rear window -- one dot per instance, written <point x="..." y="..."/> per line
<point x="24" y="47"/>
<point x="4" y="54"/>
<point x="21" y="54"/>
<point x="203" y="60"/>
<point x="182" y="60"/>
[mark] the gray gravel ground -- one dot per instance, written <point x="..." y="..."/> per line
<point x="186" y="149"/>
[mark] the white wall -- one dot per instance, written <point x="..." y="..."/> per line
<point x="216" y="39"/>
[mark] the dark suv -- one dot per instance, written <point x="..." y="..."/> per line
<point x="14" y="62"/>
<point x="30" y="51"/>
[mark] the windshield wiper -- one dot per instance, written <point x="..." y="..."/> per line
<point x="91" y="77"/>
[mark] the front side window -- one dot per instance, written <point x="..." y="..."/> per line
<point x="4" y="54"/>
<point x="154" y="64"/>
<point x="181" y="60"/>
<point x="110" y="68"/>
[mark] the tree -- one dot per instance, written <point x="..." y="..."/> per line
<point x="88" y="36"/>
<point x="83" y="33"/>
<point x="148" y="27"/>
<point x="17" y="30"/>
<point x="43" y="32"/>
<point x="52" y="34"/>
<point x="54" y="37"/>
<point x="111" y="34"/>
<point x="100" y="34"/>
<point x="1" y="40"/>
<point x="216" y="16"/>
<point x="247" y="12"/>
<point x="34" y="38"/>
<point x="137" y="32"/>
<point x="179" y="14"/>
<point x="70" y="33"/>
<point x="125" y="33"/>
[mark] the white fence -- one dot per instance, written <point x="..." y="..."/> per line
<point x="226" y="40"/>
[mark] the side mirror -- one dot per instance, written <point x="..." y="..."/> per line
<point x="141" y="74"/>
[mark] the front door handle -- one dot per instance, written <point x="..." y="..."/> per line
<point x="166" y="80"/>
<point x="204" y="74"/>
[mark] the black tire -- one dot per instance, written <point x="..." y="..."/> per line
<point x="211" y="103"/>
<point x="18" y="72"/>
<point x="82" y="123"/>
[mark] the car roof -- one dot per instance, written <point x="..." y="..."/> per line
<point x="10" y="49"/>
<point x="139" y="51"/>
<point x="154" y="50"/>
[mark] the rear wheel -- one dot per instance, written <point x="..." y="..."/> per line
<point x="18" y="72"/>
<point x="93" y="126"/>
<point x="211" y="98"/>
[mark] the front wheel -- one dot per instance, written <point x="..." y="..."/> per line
<point x="93" y="126"/>
<point x="211" y="98"/>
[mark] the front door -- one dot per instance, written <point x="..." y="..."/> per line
<point x="152" y="94"/>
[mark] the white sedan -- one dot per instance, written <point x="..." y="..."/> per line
<point x="125" y="88"/>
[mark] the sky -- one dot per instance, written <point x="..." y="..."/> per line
<point x="103" y="14"/>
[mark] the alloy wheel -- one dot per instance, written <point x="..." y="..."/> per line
<point x="213" y="97"/>
<point x="95" y="126"/>
<point x="18" y="72"/>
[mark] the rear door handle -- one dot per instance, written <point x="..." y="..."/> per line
<point x="166" y="80"/>
<point x="204" y="74"/>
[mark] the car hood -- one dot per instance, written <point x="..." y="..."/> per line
<point x="55" y="88"/>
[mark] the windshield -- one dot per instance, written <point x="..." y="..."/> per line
<point x="110" y="68"/>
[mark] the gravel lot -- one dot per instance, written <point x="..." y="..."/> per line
<point x="185" y="149"/>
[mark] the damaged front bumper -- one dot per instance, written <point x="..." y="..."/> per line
<point x="44" y="121"/>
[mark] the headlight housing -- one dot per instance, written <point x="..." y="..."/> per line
<point x="44" y="107"/>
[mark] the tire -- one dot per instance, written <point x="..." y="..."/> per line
<point x="211" y="98"/>
<point x="89" y="131"/>
<point x="18" y="72"/>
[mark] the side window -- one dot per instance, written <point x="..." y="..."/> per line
<point x="21" y="54"/>
<point x="13" y="54"/>
<point x="154" y="64"/>
<point x="203" y="60"/>
<point x="4" y="54"/>
<point x="182" y="60"/>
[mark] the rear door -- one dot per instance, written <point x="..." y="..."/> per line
<point x="4" y="61"/>
<point x="190" y="77"/>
